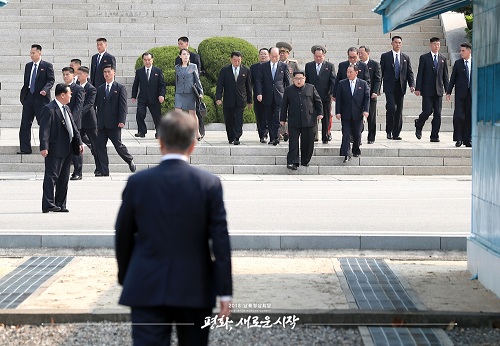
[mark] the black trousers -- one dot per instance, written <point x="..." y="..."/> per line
<point x="260" y="118"/>
<point x="233" y="118"/>
<point x="140" y="116"/>
<point x="153" y="325"/>
<point x="115" y="136"/>
<point x="89" y="138"/>
<point x="30" y="112"/>
<point x="431" y="105"/>
<point x="394" y="111"/>
<point x="462" y="119"/>
<point x="56" y="178"/>
<point x="325" y="121"/>
<point x="272" y="115"/>
<point x="306" y="135"/>
<point x="372" y="120"/>
<point x="350" y="128"/>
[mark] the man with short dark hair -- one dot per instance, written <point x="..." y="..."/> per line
<point x="301" y="108"/>
<point x="375" y="83"/>
<point x="234" y="91"/>
<point x="111" y="107"/>
<point x="99" y="60"/>
<point x="59" y="140"/>
<point x="75" y="65"/>
<point x="172" y="243"/>
<point x="432" y="82"/>
<point x="260" y="119"/>
<point x="151" y="86"/>
<point x="461" y="76"/>
<point x="35" y="93"/>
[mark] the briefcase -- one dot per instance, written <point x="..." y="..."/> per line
<point x="201" y="107"/>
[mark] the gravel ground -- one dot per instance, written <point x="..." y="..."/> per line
<point x="110" y="334"/>
<point x="475" y="336"/>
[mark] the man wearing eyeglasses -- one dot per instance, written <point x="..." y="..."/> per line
<point x="301" y="107"/>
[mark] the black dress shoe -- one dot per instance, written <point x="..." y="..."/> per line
<point x="329" y="136"/>
<point x="76" y="177"/>
<point x="53" y="209"/>
<point x="291" y="166"/>
<point x="397" y="138"/>
<point x="434" y="140"/>
<point x="418" y="131"/>
<point x="231" y="142"/>
<point x="346" y="159"/>
<point x="270" y="142"/>
<point x="304" y="164"/>
<point x="285" y="137"/>
<point x="468" y="145"/>
<point x="389" y="136"/>
<point x="356" y="155"/>
<point x="325" y="142"/>
<point x="263" y="140"/>
<point x="99" y="174"/>
<point x="23" y="152"/>
<point x="458" y="144"/>
<point x="131" y="166"/>
<point x="371" y="142"/>
<point x="236" y="142"/>
<point x="140" y="134"/>
<point x="62" y="210"/>
<point x="276" y="142"/>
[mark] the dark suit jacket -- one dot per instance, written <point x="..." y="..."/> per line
<point x="76" y="103"/>
<point x="301" y="106"/>
<point x="352" y="106"/>
<point x="363" y="73"/>
<point x="89" y="119"/>
<point x="375" y="76"/>
<point x="53" y="133"/>
<point x="272" y="89"/>
<point x="429" y="81"/>
<point x="111" y="110"/>
<point x="254" y="71"/>
<point x="96" y="72"/>
<point x="234" y="93"/>
<point x="193" y="58"/>
<point x="168" y="216"/>
<point x="44" y="81"/>
<point x="459" y="79"/>
<point x="324" y="82"/>
<point x="388" y="77"/>
<point x="149" y="91"/>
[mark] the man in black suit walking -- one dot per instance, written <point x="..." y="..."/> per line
<point x="375" y="83"/>
<point x="88" y="131"/>
<point x="396" y="73"/>
<point x="258" y="108"/>
<point x="352" y="59"/>
<point x="271" y="82"/>
<point x="98" y="61"/>
<point x="35" y="93"/>
<point x="321" y="74"/>
<point x="172" y="243"/>
<point x="151" y="85"/>
<point x="111" y="106"/>
<point x="351" y="105"/>
<point x="461" y="80"/>
<point x="59" y="140"/>
<point x="432" y="82"/>
<point x="301" y="108"/>
<point x="235" y="92"/>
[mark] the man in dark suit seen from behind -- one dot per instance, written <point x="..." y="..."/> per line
<point x="234" y="91"/>
<point x="432" y="82"/>
<point x="194" y="58"/>
<point x="396" y="73"/>
<point x="172" y="244"/>
<point x="111" y="107"/>
<point x="88" y="131"/>
<point x="351" y="105"/>
<point x="301" y="108"/>
<point x="271" y="82"/>
<point x="149" y="84"/>
<point x="35" y="93"/>
<point x="461" y="80"/>
<point x="375" y="83"/>
<point x="257" y="106"/>
<point x="99" y="61"/>
<point x="321" y="74"/>
<point x="59" y="140"/>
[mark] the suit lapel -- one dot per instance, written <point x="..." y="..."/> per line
<point x="111" y="91"/>
<point x="58" y="111"/>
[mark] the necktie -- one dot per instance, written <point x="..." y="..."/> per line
<point x="107" y="90"/>
<point x="235" y="74"/>
<point x="147" y="74"/>
<point x="33" y="78"/>
<point x="67" y="123"/>
<point x="352" y="87"/>
<point x="435" y="62"/>
<point x="98" y="59"/>
<point x="467" y="71"/>
<point x="273" y="70"/>
<point x="397" y="67"/>
<point x="318" y="68"/>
